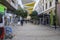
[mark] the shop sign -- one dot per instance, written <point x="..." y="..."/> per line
<point x="2" y="9"/>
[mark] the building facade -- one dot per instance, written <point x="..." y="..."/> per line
<point x="11" y="6"/>
<point x="46" y="7"/>
<point x="13" y="3"/>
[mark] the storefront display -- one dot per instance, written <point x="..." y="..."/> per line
<point x="2" y="12"/>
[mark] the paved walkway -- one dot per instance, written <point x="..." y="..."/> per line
<point x="35" y="32"/>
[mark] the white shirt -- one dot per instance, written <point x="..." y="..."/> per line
<point x="20" y="18"/>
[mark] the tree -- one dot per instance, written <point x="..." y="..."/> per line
<point x="34" y="15"/>
<point x="25" y="14"/>
<point x="21" y="12"/>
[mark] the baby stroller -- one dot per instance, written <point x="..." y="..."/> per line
<point x="8" y="33"/>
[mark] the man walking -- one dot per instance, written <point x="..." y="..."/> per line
<point x="21" y="21"/>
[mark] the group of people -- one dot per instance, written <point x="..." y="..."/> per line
<point x="22" y="20"/>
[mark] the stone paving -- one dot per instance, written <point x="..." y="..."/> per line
<point x="35" y="32"/>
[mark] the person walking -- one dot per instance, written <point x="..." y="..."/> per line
<point x="21" y="21"/>
<point x="54" y="19"/>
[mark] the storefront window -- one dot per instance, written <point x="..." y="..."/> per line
<point x="50" y="3"/>
<point x="46" y="5"/>
<point x="1" y="20"/>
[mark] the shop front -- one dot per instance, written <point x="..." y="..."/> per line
<point x="44" y="18"/>
<point x="2" y="12"/>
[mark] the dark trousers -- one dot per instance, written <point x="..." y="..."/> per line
<point x="21" y="22"/>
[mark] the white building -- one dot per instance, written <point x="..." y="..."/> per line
<point x="20" y="3"/>
<point x="13" y="3"/>
<point x="45" y="6"/>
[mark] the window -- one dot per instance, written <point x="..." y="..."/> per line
<point x="57" y="0"/>
<point x="50" y="3"/>
<point x="46" y="5"/>
<point x="1" y="20"/>
<point x="43" y="8"/>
